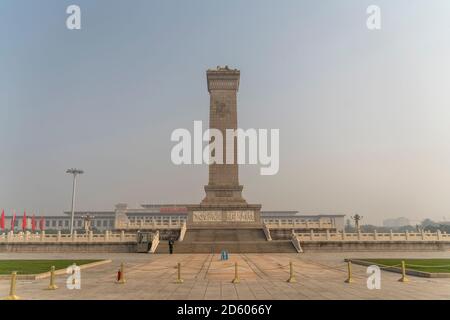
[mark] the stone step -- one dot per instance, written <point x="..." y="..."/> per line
<point x="220" y="235"/>
<point x="278" y="246"/>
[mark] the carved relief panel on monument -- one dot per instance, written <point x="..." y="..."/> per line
<point x="224" y="216"/>
<point x="207" y="216"/>
<point x="241" y="216"/>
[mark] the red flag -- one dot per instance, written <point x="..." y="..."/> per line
<point x="2" y="220"/>
<point x="13" y="221"/>
<point x="33" y="223"/>
<point x="41" y="224"/>
<point x="24" y="221"/>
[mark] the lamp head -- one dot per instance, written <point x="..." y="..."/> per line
<point x="74" y="171"/>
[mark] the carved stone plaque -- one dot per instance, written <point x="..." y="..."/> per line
<point x="241" y="216"/>
<point x="207" y="216"/>
<point x="224" y="194"/>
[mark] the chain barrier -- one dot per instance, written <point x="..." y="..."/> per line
<point x="388" y="267"/>
<point x="237" y="269"/>
<point x="420" y="266"/>
<point x="279" y="268"/>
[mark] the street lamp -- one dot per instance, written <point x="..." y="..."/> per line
<point x="74" y="172"/>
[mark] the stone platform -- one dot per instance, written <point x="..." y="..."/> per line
<point x="263" y="276"/>
<point x="242" y="240"/>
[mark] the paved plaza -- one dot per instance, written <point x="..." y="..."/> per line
<point x="262" y="276"/>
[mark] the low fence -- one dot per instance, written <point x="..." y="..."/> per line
<point x="284" y="224"/>
<point x="28" y="237"/>
<point x="149" y="225"/>
<point x="373" y="236"/>
<point x="118" y="237"/>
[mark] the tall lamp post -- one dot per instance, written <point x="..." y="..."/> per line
<point x="74" y="172"/>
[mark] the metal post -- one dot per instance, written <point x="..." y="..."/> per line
<point x="403" y="278"/>
<point x="12" y="288"/>
<point x="236" y="274"/>
<point x="121" y="279"/>
<point x="73" y="202"/>
<point x="74" y="172"/>
<point x="291" y="273"/>
<point x="349" y="270"/>
<point x="52" y="285"/>
<point x="179" y="280"/>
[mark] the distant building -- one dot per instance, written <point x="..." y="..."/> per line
<point x="397" y="222"/>
<point x="175" y="215"/>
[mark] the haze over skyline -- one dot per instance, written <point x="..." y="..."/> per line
<point x="363" y="115"/>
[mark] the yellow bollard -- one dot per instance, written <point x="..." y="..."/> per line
<point x="349" y="268"/>
<point x="121" y="279"/>
<point x="236" y="273"/>
<point x="52" y="285"/>
<point x="179" y="280"/>
<point x="291" y="273"/>
<point x="12" y="289"/>
<point x="403" y="278"/>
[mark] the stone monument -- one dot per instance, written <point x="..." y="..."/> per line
<point x="223" y="205"/>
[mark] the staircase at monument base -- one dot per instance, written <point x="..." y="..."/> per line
<point x="231" y="240"/>
<point x="224" y="235"/>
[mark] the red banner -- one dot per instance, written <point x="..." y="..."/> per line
<point x="13" y="221"/>
<point x="2" y="220"/>
<point x="24" y="221"/>
<point x="42" y="224"/>
<point x="33" y="223"/>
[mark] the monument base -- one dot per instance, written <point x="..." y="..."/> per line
<point x="226" y="216"/>
<point x="230" y="227"/>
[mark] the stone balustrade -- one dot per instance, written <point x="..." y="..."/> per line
<point x="182" y="232"/>
<point x="149" y="225"/>
<point x="91" y="237"/>
<point x="175" y="224"/>
<point x="118" y="237"/>
<point x="285" y="224"/>
<point x="373" y="236"/>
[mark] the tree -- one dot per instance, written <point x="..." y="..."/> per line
<point x="429" y="223"/>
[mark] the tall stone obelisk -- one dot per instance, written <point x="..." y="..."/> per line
<point x="223" y="186"/>
<point x="223" y="205"/>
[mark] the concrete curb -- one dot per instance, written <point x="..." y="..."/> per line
<point x="399" y="270"/>
<point x="57" y="272"/>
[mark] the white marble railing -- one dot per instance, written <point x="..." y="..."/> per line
<point x="176" y="224"/>
<point x="155" y="242"/>
<point x="148" y="225"/>
<point x="267" y="232"/>
<point x="373" y="236"/>
<point x="283" y="224"/>
<point x="182" y="232"/>
<point x="108" y="236"/>
<point x="296" y="243"/>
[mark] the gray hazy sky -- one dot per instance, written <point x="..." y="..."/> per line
<point x="363" y="115"/>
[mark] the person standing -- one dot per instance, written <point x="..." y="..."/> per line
<point x="171" y="246"/>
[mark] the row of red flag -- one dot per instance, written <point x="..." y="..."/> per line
<point x="24" y="222"/>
